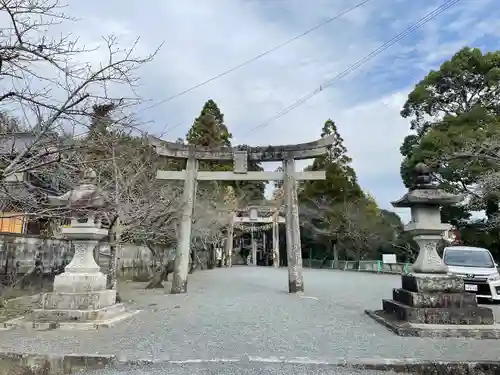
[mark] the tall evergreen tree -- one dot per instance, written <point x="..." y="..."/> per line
<point x="209" y="129"/>
<point x="341" y="182"/>
<point x="340" y="220"/>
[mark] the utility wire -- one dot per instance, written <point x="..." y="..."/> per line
<point x="428" y="17"/>
<point x="255" y="58"/>
<point x="258" y="56"/>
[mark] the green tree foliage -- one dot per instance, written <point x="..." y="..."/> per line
<point x="209" y="130"/>
<point x="401" y="243"/>
<point x="450" y="107"/>
<point x="340" y="220"/>
<point x="455" y="109"/>
<point x="251" y="191"/>
<point x="341" y="182"/>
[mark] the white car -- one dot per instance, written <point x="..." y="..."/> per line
<point x="478" y="268"/>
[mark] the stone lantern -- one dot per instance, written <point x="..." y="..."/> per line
<point x="80" y="298"/>
<point x="432" y="302"/>
<point x="425" y="200"/>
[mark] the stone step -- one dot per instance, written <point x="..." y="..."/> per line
<point x="465" y="315"/>
<point x="69" y="315"/>
<point x="434" y="300"/>
<point x="432" y="283"/>
<point x="26" y="322"/>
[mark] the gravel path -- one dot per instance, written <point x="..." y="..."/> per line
<point x="229" y="313"/>
<point x="231" y="369"/>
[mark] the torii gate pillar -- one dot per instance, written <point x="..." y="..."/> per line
<point x="285" y="153"/>
<point x="293" y="243"/>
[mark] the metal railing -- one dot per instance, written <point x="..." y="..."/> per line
<point x="374" y="266"/>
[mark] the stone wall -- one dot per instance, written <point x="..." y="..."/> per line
<point x="55" y="251"/>
<point x="26" y="247"/>
<point x="131" y="258"/>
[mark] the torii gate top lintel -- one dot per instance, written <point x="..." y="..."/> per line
<point x="260" y="153"/>
<point x="256" y="214"/>
<point x="261" y="209"/>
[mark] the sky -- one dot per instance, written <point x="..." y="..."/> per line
<point x="204" y="38"/>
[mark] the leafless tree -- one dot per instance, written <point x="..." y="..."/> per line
<point x="50" y="83"/>
<point x="363" y="228"/>
<point x="351" y="226"/>
<point x="138" y="209"/>
<point x="153" y="221"/>
<point x="135" y="205"/>
<point x="212" y="221"/>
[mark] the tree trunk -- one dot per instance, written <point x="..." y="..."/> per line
<point x="111" y="276"/>
<point x="228" y="248"/>
<point x="327" y="255"/>
<point x="169" y="268"/>
<point x="335" y="256"/>
<point x="114" y="236"/>
<point x="157" y="280"/>
<point x="211" y="257"/>
<point x="159" y="272"/>
<point x="192" y="268"/>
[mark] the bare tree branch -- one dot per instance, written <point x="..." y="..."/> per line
<point x="49" y="82"/>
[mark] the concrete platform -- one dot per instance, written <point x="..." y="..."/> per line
<point x="402" y="328"/>
<point x="76" y="315"/>
<point x="27" y="323"/>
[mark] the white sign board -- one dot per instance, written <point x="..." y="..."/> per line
<point x="389" y="258"/>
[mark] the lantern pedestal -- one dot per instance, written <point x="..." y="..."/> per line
<point x="434" y="305"/>
<point x="430" y="302"/>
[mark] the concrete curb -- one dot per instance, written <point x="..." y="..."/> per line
<point x="376" y="272"/>
<point x="34" y="364"/>
<point x="358" y="271"/>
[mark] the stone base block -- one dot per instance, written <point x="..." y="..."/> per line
<point x="70" y="282"/>
<point x="435" y="300"/>
<point x="402" y="328"/>
<point x="433" y="283"/>
<point x="428" y="315"/>
<point x="28" y="324"/>
<point x="77" y="301"/>
<point x="60" y="315"/>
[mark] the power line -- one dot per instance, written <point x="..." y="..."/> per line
<point x="265" y="53"/>
<point x="428" y="17"/>
<point x="258" y="56"/>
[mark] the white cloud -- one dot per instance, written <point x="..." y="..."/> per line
<point x="203" y="38"/>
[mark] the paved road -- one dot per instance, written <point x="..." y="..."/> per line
<point x="241" y="311"/>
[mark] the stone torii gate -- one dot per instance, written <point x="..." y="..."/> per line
<point x="240" y="156"/>
<point x="254" y="218"/>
